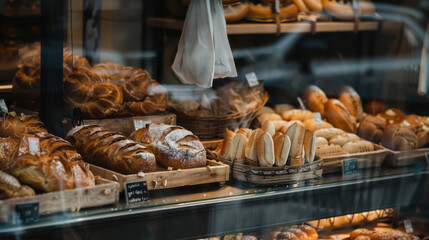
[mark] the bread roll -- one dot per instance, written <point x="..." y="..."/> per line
<point x="301" y="6"/>
<point x="281" y="108"/>
<point x="392" y="115"/>
<point x="360" y="232"/>
<point x="375" y="107"/>
<point x="251" y="152"/>
<point x="268" y="127"/>
<point x="264" y="110"/>
<point x="339" y="116"/>
<point x="316" y="99"/>
<point x="328" y="133"/>
<point x="265" y="150"/>
<point x="284" y="128"/>
<point x="238" y="147"/>
<point x="311" y="232"/>
<point x="329" y="150"/>
<point x="245" y="131"/>
<point x="321" y="141"/>
<point x="235" y="12"/>
<point x="268" y="116"/>
<point x="298" y="232"/>
<point x="281" y="148"/>
<point x="309" y="146"/>
<point x="278" y="124"/>
<point x="311" y="125"/>
<point x="173" y="146"/>
<point x="11" y="187"/>
<point x="314" y="5"/>
<point x="287" y="236"/>
<point x="422" y="138"/>
<point x="225" y="152"/>
<point x="371" y="128"/>
<point x="343" y="139"/>
<point x="297" y="114"/>
<point x="399" y="139"/>
<point x="296" y="133"/>
<point x="351" y="100"/>
<point x="263" y="12"/>
<point x="358" y="147"/>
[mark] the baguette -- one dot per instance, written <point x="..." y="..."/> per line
<point x="265" y="150"/>
<point x="281" y="149"/>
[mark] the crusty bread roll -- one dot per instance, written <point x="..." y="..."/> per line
<point x="351" y="100"/>
<point x="11" y="187"/>
<point x="371" y="128"/>
<point x="314" y="5"/>
<point x="284" y="128"/>
<point x="268" y="127"/>
<point x="339" y="116"/>
<point x="245" y="131"/>
<point x="173" y="146"/>
<point x="268" y="116"/>
<point x="281" y="108"/>
<point x="238" y="147"/>
<point x="278" y="124"/>
<point x="281" y="148"/>
<point x="360" y="232"/>
<point x="264" y="110"/>
<point x="328" y="133"/>
<point x="358" y="147"/>
<point x="297" y="114"/>
<point x="399" y="139"/>
<point x="311" y="125"/>
<point x="296" y="133"/>
<point x="9" y="147"/>
<point x="343" y="139"/>
<point x="251" y="152"/>
<point x="309" y="146"/>
<point x="316" y="99"/>
<point x="311" y="232"/>
<point x="321" y="141"/>
<point x="287" y="236"/>
<point x="225" y="152"/>
<point x="329" y="150"/>
<point x="265" y="150"/>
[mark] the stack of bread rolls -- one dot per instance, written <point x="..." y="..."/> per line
<point x="365" y="234"/>
<point x="270" y="145"/>
<point x="393" y="128"/>
<point x="52" y="164"/>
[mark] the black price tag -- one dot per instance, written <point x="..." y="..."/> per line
<point x="350" y="167"/>
<point x="3" y="107"/>
<point x="27" y="213"/>
<point x="136" y="192"/>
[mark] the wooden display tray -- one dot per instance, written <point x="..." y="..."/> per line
<point x="213" y="172"/>
<point x="103" y="193"/>
<point x="125" y="125"/>
<point x="272" y="175"/>
<point x="406" y="158"/>
<point x="372" y="159"/>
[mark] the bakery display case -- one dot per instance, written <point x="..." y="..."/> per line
<point x="211" y="119"/>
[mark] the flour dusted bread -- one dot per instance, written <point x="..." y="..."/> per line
<point x="328" y="133"/>
<point x="344" y="138"/>
<point x="11" y="187"/>
<point x="329" y="150"/>
<point x="358" y="147"/>
<point x="173" y="146"/>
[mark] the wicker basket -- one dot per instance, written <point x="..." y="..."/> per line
<point x="214" y="127"/>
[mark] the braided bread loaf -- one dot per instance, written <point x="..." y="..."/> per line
<point x="74" y="61"/>
<point x="91" y="93"/>
<point x="111" y="150"/>
<point x="15" y="126"/>
<point x="155" y="101"/>
<point x="173" y="146"/>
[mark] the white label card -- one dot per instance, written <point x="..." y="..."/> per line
<point x="3" y="107"/>
<point x="408" y="226"/>
<point x="337" y="237"/>
<point x="33" y="143"/>
<point x="318" y="118"/>
<point x="141" y="123"/>
<point x="252" y="79"/>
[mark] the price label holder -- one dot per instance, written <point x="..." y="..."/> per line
<point x="33" y="143"/>
<point x="3" y="107"/>
<point x="136" y="192"/>
<point x="140" y="124"/>
<point x="27" y="213"/>
<point x="408" y="226"/>
<point x="301" y="103"/>
<point x="318" y="118"/>
<point x="251" y="78"/>
<point x="350" y="167"/>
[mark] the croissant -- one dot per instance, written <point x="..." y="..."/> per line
<point x="173" y="146"/>
<point x="111" y="150"/>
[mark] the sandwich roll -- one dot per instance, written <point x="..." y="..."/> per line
<point x="321" y="141"/>
<point x="238" y="147"/>
<point x="339" y="116"/>
<point x="358" y="147"/>
<point x="281" y="108"/>
<point x="251" y="152"/>
<point x="351" y="99"/>
<point x="268" y="116"/>
<point x="309" y="146"/>
<point x="288" y="124"/>
<point x="329" y="150"/>
<point x="264" y="110"/>
<point x="296" y="133"/>
<point x="311" y="125"/>
<point x="278" y="124"/>
<point x="281" y="148"/>
<point x="344" y="138"/>
<point x="245" y="131"/>
<point x="268" y="126"/>
<point x="226" y="144"/>
<point x="316" y="99"/>
<point x="298" y="161"/>
<point x="328" y="133"/>
<point x="265" y="150"/>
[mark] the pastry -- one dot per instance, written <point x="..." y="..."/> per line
<point x="371" y="128"/>
<point x="358" y="147"/>
<point x="351" y="100"/>
<point x="316" y="99"/>
<point x="392" y="115"/>
<point x="339" y="116"/>
<point x="264" y="12"/>
<point x="154" y="102"/>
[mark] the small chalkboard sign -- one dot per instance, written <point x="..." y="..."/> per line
<point x="26" y="213"/>
<point x="350" y="166"/>
<point x="136" y="192"/>
<point x="3" y="107"/>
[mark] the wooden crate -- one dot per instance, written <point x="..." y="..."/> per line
<point x="372" y="159"/>
<point x="406" y="158"/>
<point x="103" y="193"/>
<point x="125" y="125"/>
<point x="213" y="172"/>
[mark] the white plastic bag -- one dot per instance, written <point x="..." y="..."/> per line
<point x="204" y="52"/>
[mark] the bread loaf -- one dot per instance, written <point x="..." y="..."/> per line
<point x="339" y="116"/>
<point x="268" y="116"/>
<point x="173" y="146"/>
<point x="316" y="99"/>
<point x="238" y="147"/>
<point x="284" y="128"/>
<point x="343" y="139"/>
<point x="251" y="151"/>
<point x="265" y="150"/>
<point x="399" y="139"/>
<point x="281" y="108"/>
<point x="309" y="146"/>
<point x="155" y="101"/>
<point x="111" y="150"/>
<point x="8" y="152"/>
<point x="311" y="232"/>
<point x="281" y="148"/>
<point x="321" y="141"/>
<point x="13" y="125"/>
<point x="358" y="147"/>
<point x="311" y="125"/>
<point x="287" y="236"/>
<point x="11" y="187"/>
<point x="351" y="100"/>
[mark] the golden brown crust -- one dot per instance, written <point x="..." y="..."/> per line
<point x="314" y="5"/>
<point x="155" y="101"/>
<point x="329" y="150"/>
<point x="316" y="99"/>
<point x="339" y="116"/>
<point x="297" y="115"/>
<point x="226" y="144"/>
<point x="265" y="150"/>
<point x="251" y="151"/>
<point x="311" y="125"/>
<point x="328" y="133"/>
<point x="8" y="152"/>
<point x="360" y="232"/>
<point x="358" y="147"/>
<point x="262" y="12"/>
<point x="310" y="231"/>
<point x="236" y="12"/>
<point x="351" y="100"/>
<point x="399" y="139"/>
<point x="371" y="128"/>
